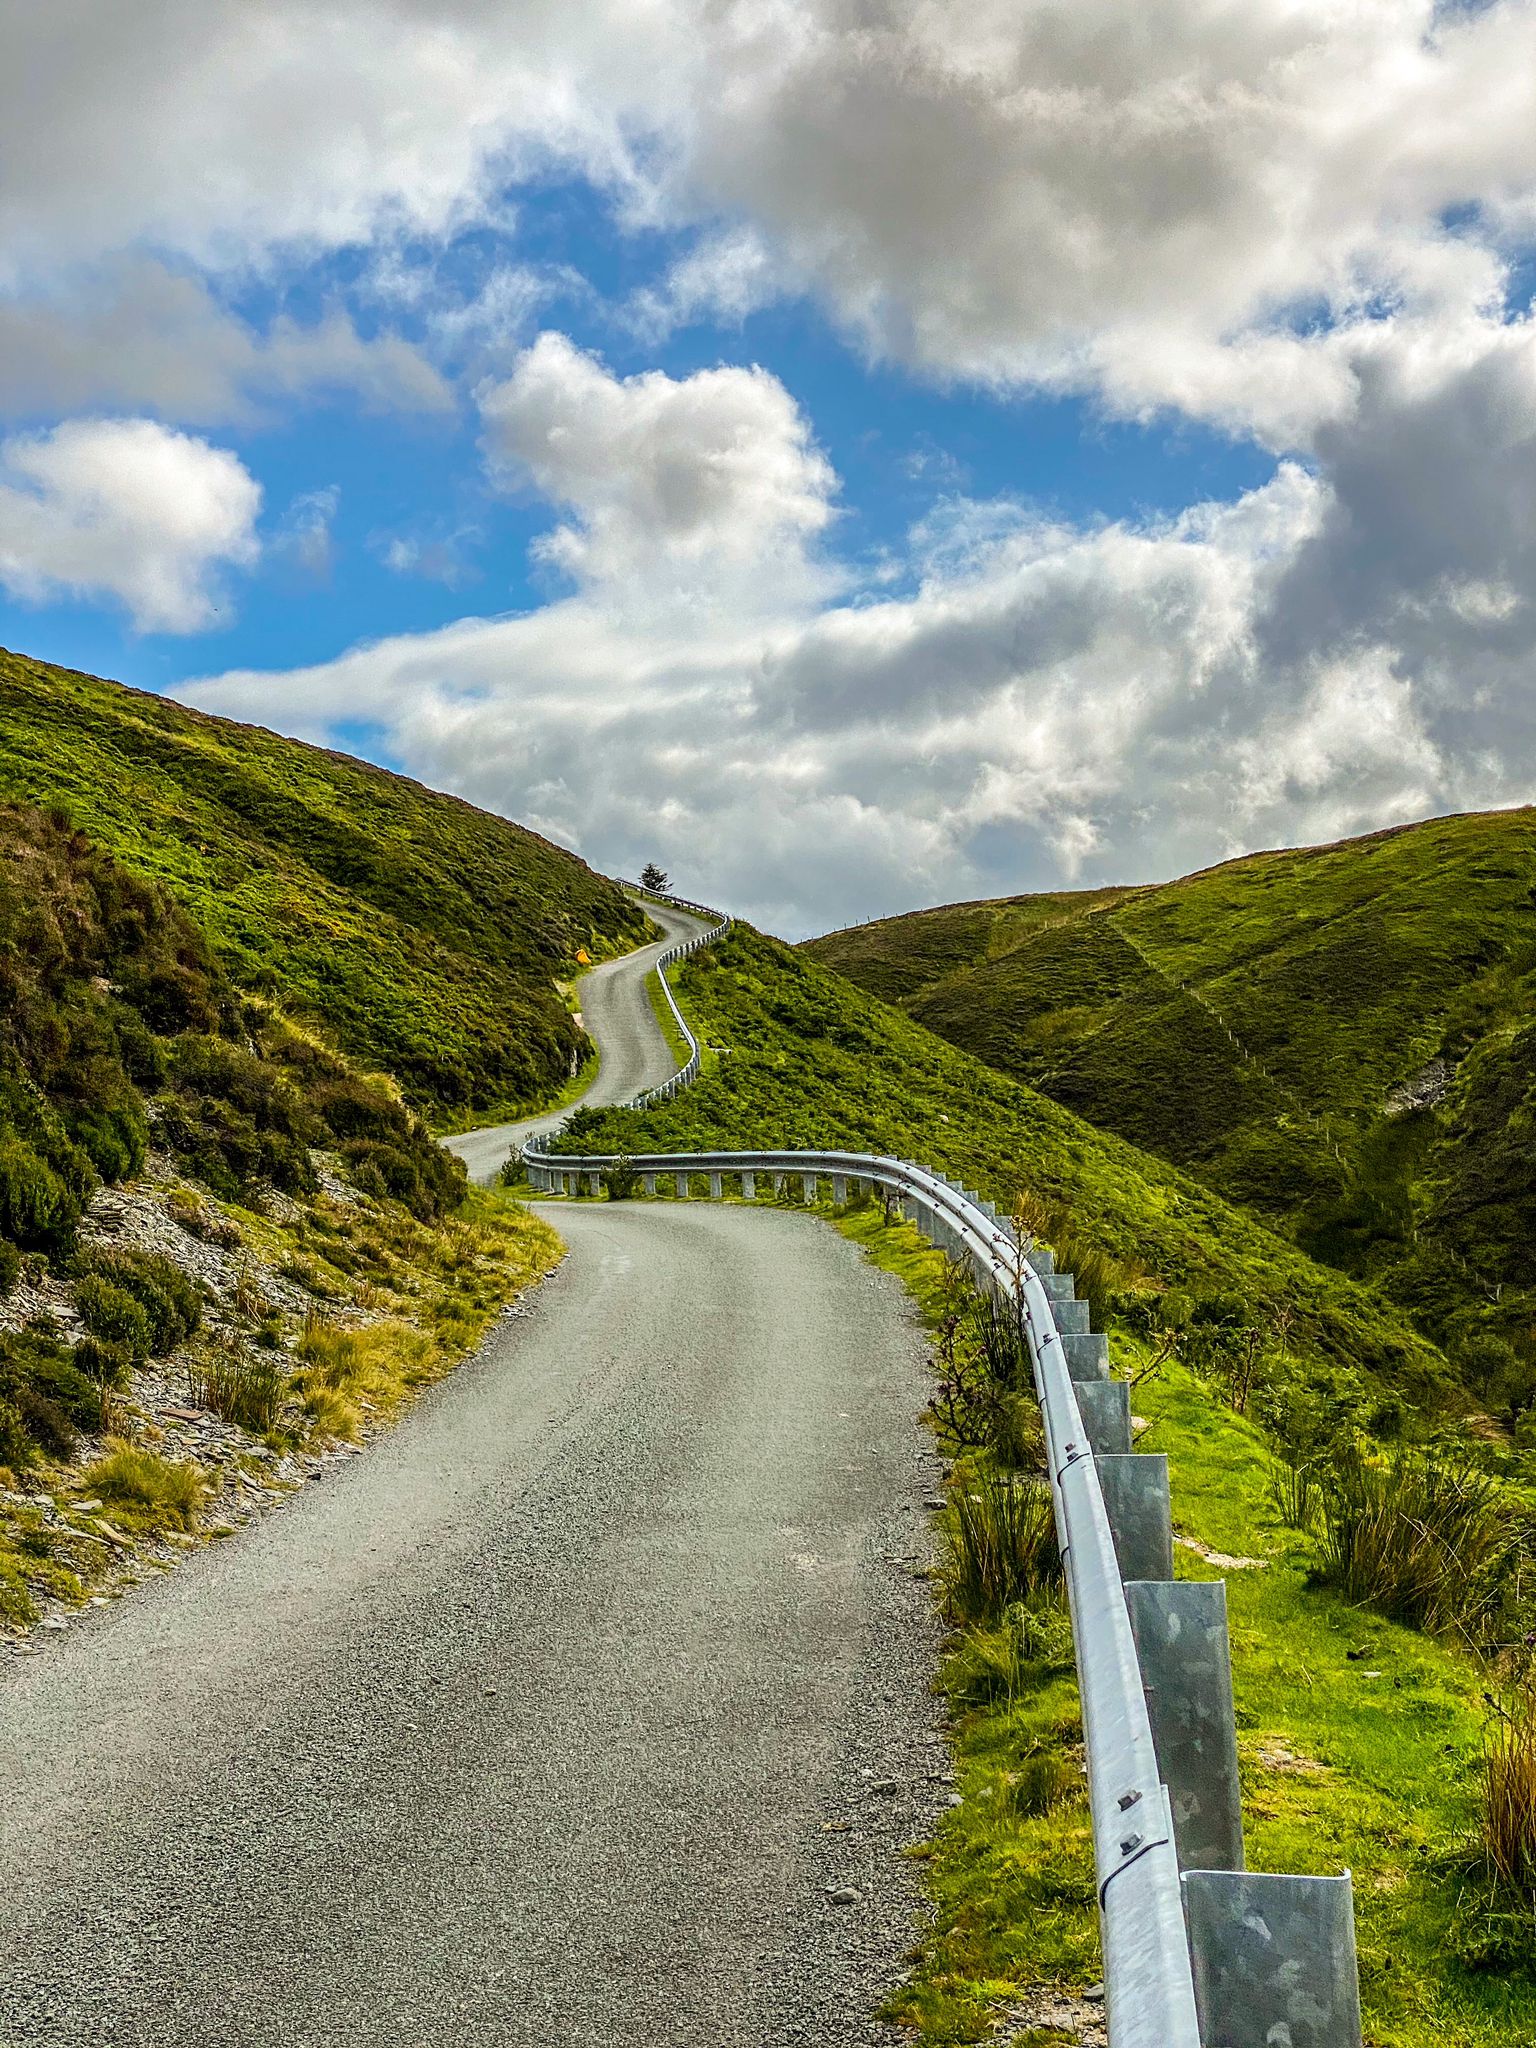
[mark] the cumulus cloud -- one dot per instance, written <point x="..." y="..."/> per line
<point x="711" y="480"/>
<point x="1049" y="704"/>
<point x="125" y="509"/>
<point x="139" y="334"/>
<point x="1169" y="203"/>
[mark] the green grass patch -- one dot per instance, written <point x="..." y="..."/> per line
<point x="1265" y="1024"/>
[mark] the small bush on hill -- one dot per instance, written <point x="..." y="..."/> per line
<point x="48" y="1399"/>
<point x="111" y="1312"/>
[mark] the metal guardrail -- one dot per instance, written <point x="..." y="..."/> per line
<point x="1197" y="1952"/>
<point x="690" y="1068"/>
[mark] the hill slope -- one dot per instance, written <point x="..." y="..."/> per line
<point x="423" y="935"/>
<point x="802" y="1057"/>
<point x="1341" y="1037"/>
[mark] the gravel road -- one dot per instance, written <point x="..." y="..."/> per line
<point x="561" y="1717"/>
<point x="616" y="1009"/>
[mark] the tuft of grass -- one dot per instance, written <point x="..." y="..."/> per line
<point x="147" y="1491"/>
<point x="1423" y="1540"/>
<point x="999" y="1546"/>
<point x="247" y="1391"/>
<point x="346" y="1374"/>
<point x="1507" y="1806"/>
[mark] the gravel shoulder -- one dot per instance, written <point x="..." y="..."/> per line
<point x="563" y="1715"/>
<point x="634" y="1054"/>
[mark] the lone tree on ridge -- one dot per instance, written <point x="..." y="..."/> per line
<point x="653" y="877"/>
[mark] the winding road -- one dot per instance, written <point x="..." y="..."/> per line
<point x="632" y="1050"/>
<point x="589" y="1706"/>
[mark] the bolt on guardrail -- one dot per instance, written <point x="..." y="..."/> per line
<point x="1198" y="1952"/>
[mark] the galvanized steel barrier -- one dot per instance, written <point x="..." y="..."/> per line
<point x="1198" y="1952"/>
<point x="690" y="1067"/>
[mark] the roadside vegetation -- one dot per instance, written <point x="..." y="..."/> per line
<point x="1404" y="1750"/>
<point x="420" y="936"/>
<point x="200" y="1202"/>
<point x="803" y="1058"/>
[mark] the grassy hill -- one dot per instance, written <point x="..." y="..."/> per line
<point x="802" y="1057"/>
<point x="1342" y="1038"/>
<point x="423" y="935"/>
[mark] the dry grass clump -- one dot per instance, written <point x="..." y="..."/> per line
<point x="347" y="1373"/>
<point x="146" y="1490"/>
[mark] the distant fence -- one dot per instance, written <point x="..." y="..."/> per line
<point x="1198" y="1952"/>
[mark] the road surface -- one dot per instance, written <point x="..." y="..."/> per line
<point x="634" y="1054"/>
<point x="560" y="1717"/>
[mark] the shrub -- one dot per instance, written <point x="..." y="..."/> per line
<point x="16" y="1446"/>
<point x="114" y="1139"/>
<point x="102" y="1361"/>
<point x="350" y="1107"/>
<point x="110" y="1311"/>
<point x="162" y="1494"/>
<point x="36" y="1207"/>
<point x="41" y="1383"/>
<point x="621" y="1182"/>
<point x="171" y="1302"/>
<point x="1422" y="1540"/>
<point x="999" y="1547"/>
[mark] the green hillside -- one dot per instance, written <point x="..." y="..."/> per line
<point x="802" y="1058"/>
<point x="423" y="935"/>
<point x="1342" y="1038"/>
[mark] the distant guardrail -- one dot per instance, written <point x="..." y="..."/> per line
<point x="689" y="1070"/>
<point x="1198" y="1952"/>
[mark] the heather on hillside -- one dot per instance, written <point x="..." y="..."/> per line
<point x="423" y="936"/>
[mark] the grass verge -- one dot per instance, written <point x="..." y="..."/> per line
<point x="1361" y="1745"/>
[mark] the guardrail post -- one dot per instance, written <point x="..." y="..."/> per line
<point x="648" y="1182"/>
<point x="1182" y="1646"/>
<point x="716" y="1187"/>
<point x="594" y="1184"/>
<point x="1087" y="1355"/>
<point x="749" y="1187"/>
<point x="680" y="1185"/>
<point x="839" y="1189"/>
<point x="1274" y="1959"/>
<point x="1136" y="1502"/>
<point x="1105" y="1406"/>
<point x="1072" y="1317"/>
<point x="808" y="1188"/>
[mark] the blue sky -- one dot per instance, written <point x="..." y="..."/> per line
<point x="855" y="458"/>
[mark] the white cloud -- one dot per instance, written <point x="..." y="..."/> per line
<point x="142" y="335"/>
<point x="1171" y="203"/>
<point x="125" y="509"/>
<point x="711" y="480"/>
<point x="1325" y="654"/>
